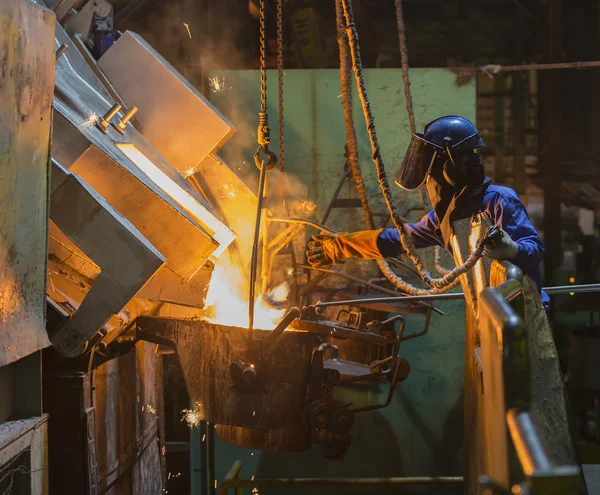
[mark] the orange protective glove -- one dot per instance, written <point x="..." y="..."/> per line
<point x="326" y="250"/>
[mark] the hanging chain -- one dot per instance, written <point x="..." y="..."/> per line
<point x="263" y="57"/>
<point x="280" y="81"/>
<point x="264" y="131"/>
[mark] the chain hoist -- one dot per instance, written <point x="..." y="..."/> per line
<point x="270" y="161"/>
<point x="280" y="81"/>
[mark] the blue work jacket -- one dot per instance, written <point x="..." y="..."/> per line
<point x="504" y="208"/>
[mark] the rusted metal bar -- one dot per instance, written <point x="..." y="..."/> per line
<point x="254" y="261"/>
<point x="332" y="482"/>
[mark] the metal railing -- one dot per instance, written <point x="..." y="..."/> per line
<point x="233" y="480"/>
<point x="516" y="460"/>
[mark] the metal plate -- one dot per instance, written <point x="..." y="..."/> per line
<point x="175" y="117"/>
<point x="26" y="87"/>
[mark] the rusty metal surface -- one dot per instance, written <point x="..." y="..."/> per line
<point x="550" y="406"/>
<point x="177" y="119"/>
<point x="206" y="351"/>
<point x="26" y="83"/>
<point x="129" y="402"/>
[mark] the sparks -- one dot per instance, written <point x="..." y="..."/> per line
<point x="187" y="26"/>
<point x="90" y="121"/>
<point x="192" y="416"/>
<point x="290" y="271"/>
<point x="228" y="191"/>
<point x="150" y="409"/>
<point x="217" y="84"/>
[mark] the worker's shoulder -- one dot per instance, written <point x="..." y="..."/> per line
<point x="505" y="194"/>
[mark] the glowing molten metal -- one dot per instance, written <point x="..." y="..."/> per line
<point x="228" y="298"/>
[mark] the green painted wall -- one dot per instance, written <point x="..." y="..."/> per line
<point x="421" y="432"/>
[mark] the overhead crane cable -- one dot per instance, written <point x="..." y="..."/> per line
<point x="436" y="285"/>
<point x="411" y="116"/>
<point x="351" y="151"/>
<point x="351" y="147"/>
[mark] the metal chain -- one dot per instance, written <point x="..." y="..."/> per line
<point x="280" y="81"/>
<point x="263" y="57"/>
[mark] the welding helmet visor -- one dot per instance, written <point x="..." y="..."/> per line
<point x="417" y="163"/>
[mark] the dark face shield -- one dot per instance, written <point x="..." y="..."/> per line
<point x="417" y="163"/>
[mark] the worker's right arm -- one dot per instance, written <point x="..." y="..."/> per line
<point x="327" y="250"/>
<point x="424" y="233"/>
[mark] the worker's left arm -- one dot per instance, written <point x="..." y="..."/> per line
<point x="522" y="245"/>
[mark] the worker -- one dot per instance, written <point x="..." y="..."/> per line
<point x="447" y="160"/>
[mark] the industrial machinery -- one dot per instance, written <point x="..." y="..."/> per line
<point x="139" y="226"/>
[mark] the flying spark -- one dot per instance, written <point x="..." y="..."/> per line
<point x="90" y="121"/>
<point x="228" y="191"/>
<point x="187" y="26"/>
<point x="192" y="416"/>
<point x="217" y="84"/>
<point x="150" y="409"/>
<point x="290" y="271"/>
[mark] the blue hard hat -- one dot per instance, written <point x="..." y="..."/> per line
<point x="461" y="132"/>
<point x="445" y="136"/>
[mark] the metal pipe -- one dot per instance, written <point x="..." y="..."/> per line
<point x="234" y="473"/>
<point x="210" y="457"/>
<point x="561" y="289"/>
<point x="525" y="67"/>
<point x="253" y="264"/>
<point x="395" y="375"/>
<point x="290" y="316"/>
<point x="360" y="281"/>
<point x="203" y="461"/>
<point x="532" y="454"/>
<point x="62" y="49"/>
<point x="331" y="482"/>
<point x="335" y="195"/>
<point x="303" y="221"/>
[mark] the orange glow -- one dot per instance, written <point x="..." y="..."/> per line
<point x="211" y="224"/>
<point x="227" y="298"/>
<point x="572" y="280"/>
